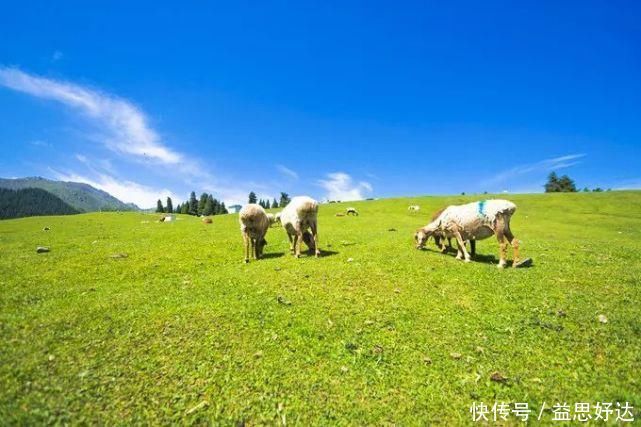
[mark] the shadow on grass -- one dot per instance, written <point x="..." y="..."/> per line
<point x="483" y="259"/>
<point x="268" y="255"/>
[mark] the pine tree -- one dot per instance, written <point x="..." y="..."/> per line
<point x="208" y="208"/>
<point x="159" y="208"/>
<point x="566" y="184"/>
<point x="252" y="197"/>
<point x="274" y="204"/>
<point x="201" y="203"/>
<point x="184" y="209"/>
<point x="223" y="209"/>
<point x="177" y="208"/>
<point x="193" y="204"/>
<point x="284" y="199"/>
<point x="170" y="206"/>
<point x="552" y="186"/>
<point x="215" y="206"/>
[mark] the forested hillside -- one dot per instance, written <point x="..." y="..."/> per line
<point x="30" y="202"/>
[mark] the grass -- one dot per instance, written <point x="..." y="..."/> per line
<point x="181" y="331"/>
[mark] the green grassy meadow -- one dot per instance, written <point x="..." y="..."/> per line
<point x="182" y="331"/>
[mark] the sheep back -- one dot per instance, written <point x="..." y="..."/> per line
<point x="300" y="210"/>
<point x="253" y="220"/>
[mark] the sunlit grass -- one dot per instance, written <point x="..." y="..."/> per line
<point x="182" y="330"/>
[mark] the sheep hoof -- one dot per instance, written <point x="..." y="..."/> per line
<point x="468" y="260"/>
<point x="501" y="265"/>
<point x="246" y="261"/>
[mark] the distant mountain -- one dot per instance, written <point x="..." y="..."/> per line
<point x="30" y="202"/>
<point x="81" y="197"/>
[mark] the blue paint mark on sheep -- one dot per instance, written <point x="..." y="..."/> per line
<point x="482" y="208"/>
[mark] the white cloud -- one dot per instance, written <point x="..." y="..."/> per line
<point x="340" y="186"/>
<point x="56" y="56"/>
<point x="546" y="165"/>
<point x="124" y="126"/>
<point x="287" y="171"/>
<point x="126" y="191"/>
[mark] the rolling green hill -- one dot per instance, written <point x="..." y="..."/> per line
<point x="82" y="197"/>
<point x="129" y="320"/>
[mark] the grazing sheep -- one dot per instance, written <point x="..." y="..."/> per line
<point x="352" y="211"/>
<point x="253" y="226"/>
<point x="272" y="219"/>
<point x="414" y="208"/>
<point x="300" y="214"/>
<point x="439" y="237"/>
<point x="474" y="221"/>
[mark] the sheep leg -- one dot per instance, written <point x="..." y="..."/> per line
<point x="514" y="243"/>
<point x="461" y="246"/>
<point x="500" y="236"/>
<point x="246" y="246"/>
<point x="473" y="247"/>
<point x="291" y="242"/>
<point x="298" y="240"/>
<point x="314" y="227"/>
<point x="253" y="247"/>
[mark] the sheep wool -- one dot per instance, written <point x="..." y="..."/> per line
<point x="476" y="219"/>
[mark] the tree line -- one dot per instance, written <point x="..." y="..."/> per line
<point x="565" y="184"/>
<point x="205" y="205"/>
<point x="284" y="200"/>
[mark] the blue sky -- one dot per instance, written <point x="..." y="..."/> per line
<point x="339" y="100"/>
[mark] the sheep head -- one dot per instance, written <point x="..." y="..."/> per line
<point x="421" y="237"/>
<point x="309" y="241"/>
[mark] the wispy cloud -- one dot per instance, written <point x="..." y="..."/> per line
<point x="628" y="184"/>
<point x="546" y="165"/>
<point x="56" y="56"/>
<point x="124" y="127"/>
<point x="127" y="191"/>
<point x="287" y="172"/>
<point x="341" y="186"/>
<point x="40" y="143"/>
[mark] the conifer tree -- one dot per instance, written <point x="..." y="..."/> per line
<point x="284" y="199"/>
<point x="159" y="208"/>
<point x="193" y="204"/>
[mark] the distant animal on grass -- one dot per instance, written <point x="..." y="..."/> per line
<point x="299" y="216"/>
<point x="254" y="224"/>
<point x="351" y="211"/>
<point x="413" y="208"/>
<point x="207" y="220"/>
<point x="340" y="214"/>
<point x="475" y="221"/>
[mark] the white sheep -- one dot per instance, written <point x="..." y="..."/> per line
<point x="351" y="211"/>
<point x="253" y="226"/>
<point x="300" y="214"/>
<point x="474" y="221"/>
<point x="273" y="219"/>
<point x="413" y="208"/>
